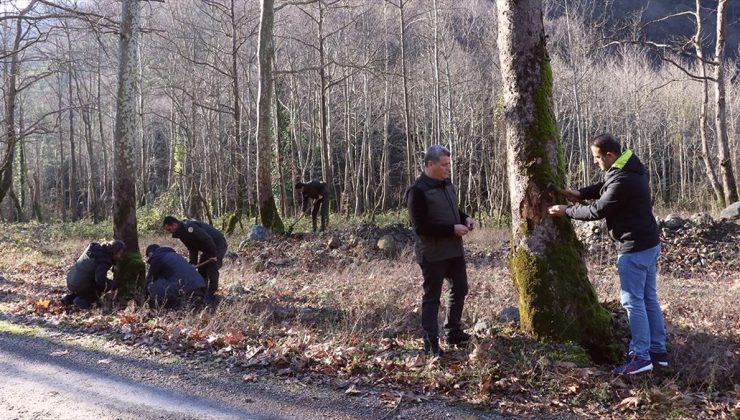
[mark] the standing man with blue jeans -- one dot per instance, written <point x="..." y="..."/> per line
<point x="623" y="199"/>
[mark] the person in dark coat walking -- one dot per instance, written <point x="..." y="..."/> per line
<point x="438" y="226"/>
<point x="171" y="281"/>
<point x="623" y="199"/>
<point x="87" y="279"/>
<point x="206" y="246"/>
<point x="319" y="193"/>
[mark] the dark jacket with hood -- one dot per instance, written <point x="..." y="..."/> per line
<point x="90" y="272"/>
<point x="623" y="199"/>
<point x="168" y="267"/>
<point x="201" y="237"/>
<point x="433" y="211"/>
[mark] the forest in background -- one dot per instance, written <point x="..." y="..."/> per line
<point x="361" y="89"/>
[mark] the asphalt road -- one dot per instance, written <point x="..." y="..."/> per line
<point x="51" y="375"/>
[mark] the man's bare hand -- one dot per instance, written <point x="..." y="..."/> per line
<point x="573" y="196"/>
<point x="461" y="230"/>
<point x="469" y="223"/>
<point x="558" y="211"/>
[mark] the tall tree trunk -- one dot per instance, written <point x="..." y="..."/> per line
<point x="266" y="201"/>
<point x="11" y="91"/>
<point x="729" y="186"/>
<point x="237" y="113"/>
<point x="61" y="179"/>
<point x="326" y="166"/>
<point x="410" y="169"/>
<point x="705" y="153"/>
<point x="556" y="299"/>
<point x="130" y="273"/>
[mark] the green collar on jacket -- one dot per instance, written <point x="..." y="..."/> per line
<point x="622" y="160"/>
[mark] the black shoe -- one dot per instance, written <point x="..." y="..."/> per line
<point x="431" y="345"/>
<point x="456" y="338"/>
<point x="82" y="303"/>
<point x="659" y="359"/>
<point x="68" y="299"/>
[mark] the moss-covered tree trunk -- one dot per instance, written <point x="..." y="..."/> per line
<point x="268" y="211"/>
<point x="130" y="270"/>
<point x="556" y="299"/>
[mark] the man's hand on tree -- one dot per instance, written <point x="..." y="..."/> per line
<point x="558" y="211"/>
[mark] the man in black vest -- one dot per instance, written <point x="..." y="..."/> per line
<point x="439" y="226"/>
<point x="200" y="238"/>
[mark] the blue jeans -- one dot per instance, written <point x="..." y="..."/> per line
<point x="637" y="273"/>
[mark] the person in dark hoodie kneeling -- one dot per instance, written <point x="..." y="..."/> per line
<point x="171" y="281"/>
<point x="88" y="280"/>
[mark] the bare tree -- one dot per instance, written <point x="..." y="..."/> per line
<point x="130" y="273"/>
<point x="268" y="211"/>
<point x="556" y="299"/>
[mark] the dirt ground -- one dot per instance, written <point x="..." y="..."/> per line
<point x="337" y="313"/>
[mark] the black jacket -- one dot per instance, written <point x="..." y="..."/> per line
<point x="623" y="199"/>
<point x="314" y="189"/>
<point x="91" y="269"/>
<point x="201" y="237"/>
<point x="168" y="266"/>
<point x="433" y="213"/>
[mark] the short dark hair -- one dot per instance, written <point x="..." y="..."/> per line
<point x="607" y="143"/>
<point x="169" y="220"/>
<point x="151" y="248"/>
<point x="115" y="246"/>
<point x="434" y="152"/>
<point x="299" y="185"/>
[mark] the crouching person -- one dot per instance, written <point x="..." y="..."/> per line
<point x="171" y="281"/>
<point x="88" y="280"/>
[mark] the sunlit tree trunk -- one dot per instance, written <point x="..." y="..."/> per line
<point x="266" y="201"/>
<point x="556" y="299"/>
<point x="727" y="177"/>
<point x="130" y="273"/>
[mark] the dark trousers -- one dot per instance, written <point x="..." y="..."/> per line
<point x="434" y="274"/>
<point x="91" y="291"/>
<point x="165" y="294"/>
<point x="210" y="275"/>
<point x="320" y="206"/>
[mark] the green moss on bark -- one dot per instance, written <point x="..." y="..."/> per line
<point x="129" y="276"/>
<point x="557" y="302"/>
<point x="271" y="218"/>
<point x="556" y="299"/>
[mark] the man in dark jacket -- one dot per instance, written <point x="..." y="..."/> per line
<point x="88" y="280"/>
<point x="623" y="199"/>
<point x="439" y="226"/>
<point x="319" y="193"/>
<point x="204" y="240"/>
<point x="171" y="281"/>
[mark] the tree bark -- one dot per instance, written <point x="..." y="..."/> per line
<point x="130" y="273"/>
<point x="11" y="91"/>
<point x="556" y="299"/>
<point x="266" y="201"/>
<point x="705" y="154"/>
<point x="729" y="186"/>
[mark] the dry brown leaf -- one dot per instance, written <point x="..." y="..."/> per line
<point x="250" y="377"/>
<point x="629" y="403"/>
